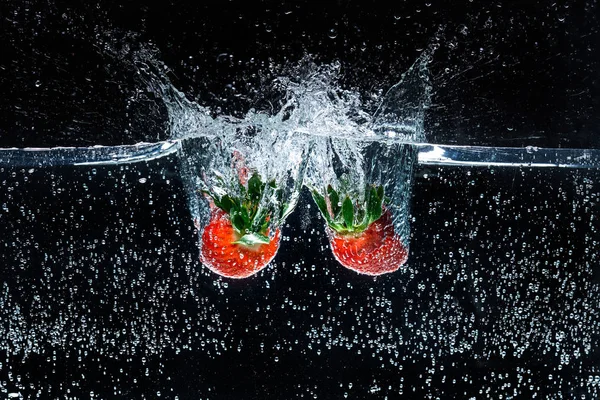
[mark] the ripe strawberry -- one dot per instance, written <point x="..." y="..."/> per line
<point x="237" y="242"/>
<point x="223" y="253"/>
<point x="362" y="236"/>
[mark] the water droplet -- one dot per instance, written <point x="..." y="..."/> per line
<point x="332" y="33"/>
<point x="531" y="149"/>
<point x="223" y="57"/>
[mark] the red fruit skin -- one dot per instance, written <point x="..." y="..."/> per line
<point x="226" y="258"/>
<point x="375" y="251"/>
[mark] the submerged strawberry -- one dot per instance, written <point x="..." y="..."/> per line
<point x="223" y="253"/>
<point x="237" y="242"/>
<point x="362" y="235"/>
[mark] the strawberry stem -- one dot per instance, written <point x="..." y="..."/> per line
<point x="350" y="217"/>
<point x="248" y="216"/>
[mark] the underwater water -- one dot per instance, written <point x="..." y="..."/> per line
<point x="103" y="294"/>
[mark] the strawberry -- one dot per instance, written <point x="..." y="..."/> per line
<point x="237" y="242"/>
<point x="223" y="253"/>
<point x="362" y="235"/>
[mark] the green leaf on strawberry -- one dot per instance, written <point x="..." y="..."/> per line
<point x="334" y="199"/>
<point x="348" y="212"/>
<point x="248" y="216"/>
<point x="351" y="216"/>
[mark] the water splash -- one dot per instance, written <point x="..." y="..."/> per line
<point x="401" y="115"/>
<point x="313" y="101"/>
<point x="314" y="126"/>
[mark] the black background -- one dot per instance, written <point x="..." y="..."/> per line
<point x="102" y="290"/>
<point x="508" y="73"/>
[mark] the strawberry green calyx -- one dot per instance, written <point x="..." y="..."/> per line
<point x="346" y="216"/>
<point x="248" y="216"/>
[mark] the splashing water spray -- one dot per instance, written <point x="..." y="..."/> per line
<point x="243" y="176"/>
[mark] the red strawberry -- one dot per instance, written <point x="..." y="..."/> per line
<point x="375" y="251"/>
<point x="362" y="235"/>
<point x="222" y="254"/>
<point x="236" y="242"/>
